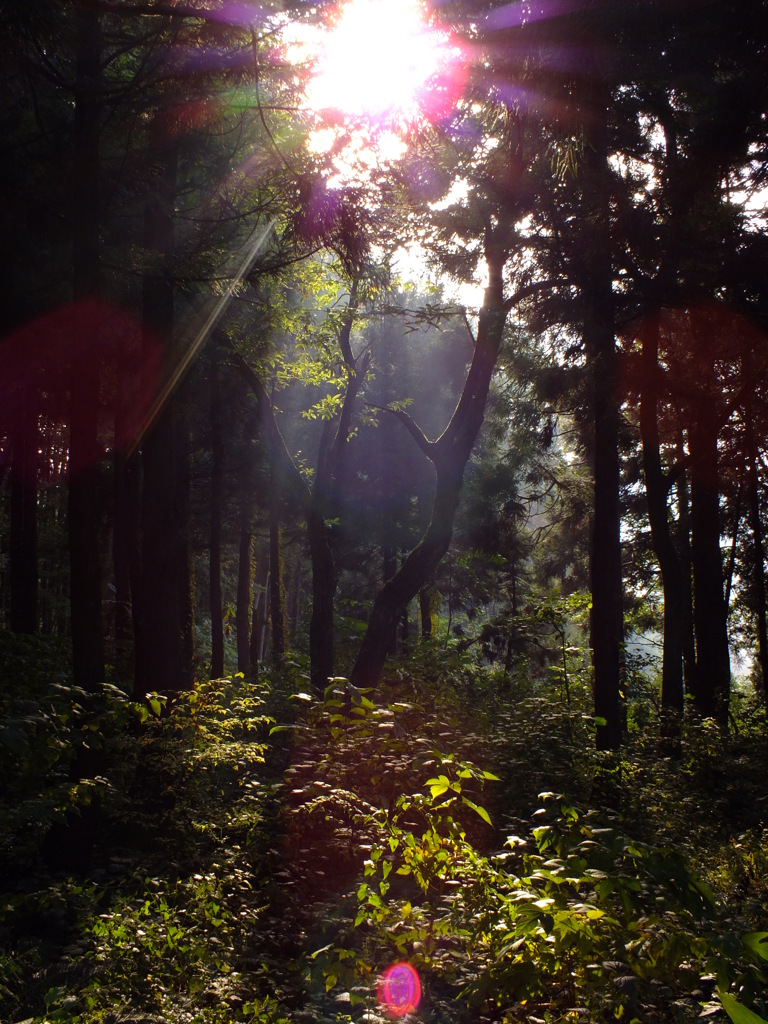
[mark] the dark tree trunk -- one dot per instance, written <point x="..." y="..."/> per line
<point x="277" y="597"/>
<point x="23" y="525"/>
<point x="683" y="537"/>
<point x="605" y="550"/>
<point x="713" y="672"/>
<point x="406" y="583"/>
<point x="259" y="625"/>
<point x="758" y="556"/>
<point x="163" y="639"/>
<point x="405" y="629"/>
<point x="185" y="595"/>
<point x="126" y="536"/>
<point x="657" y="490"/>
<point x="388" y="570"/>
<point x="121" y="558"/>
<point x="83" y="511"/>
<point x="324" y="581"/>
<point x="216" y="509"/>
<point x="243" y="609"/>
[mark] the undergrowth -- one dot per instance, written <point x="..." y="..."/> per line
<point x="255" y="852"/>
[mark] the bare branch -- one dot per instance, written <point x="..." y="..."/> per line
<point x="531" y="289"/>
<point x="421" y="439"/>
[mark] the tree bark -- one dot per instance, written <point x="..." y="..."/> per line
<point x="83" y="510"/>
<point x="216" y="506"/>
<point x="277" y="597"/>
<point x="657" y="490"/>
<point x="244" y="593"/>
<point x="596" y="283"/>
<point x="758" y="556"/>
<point x="683" y="537"/>
<point x="23" y="524"/>
<point x="121" y="558"/>
<point x="126" y="532"/>
<point x="163" y="640"/>
<point x="713" y="672"/>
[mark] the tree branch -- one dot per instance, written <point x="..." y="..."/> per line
<point x="531" y="289"/>
<point x="421" y="439"/>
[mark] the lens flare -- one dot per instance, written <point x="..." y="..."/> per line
<point x="399" y="990"/>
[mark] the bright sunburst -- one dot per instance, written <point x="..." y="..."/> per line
<point x="377" y="61"/>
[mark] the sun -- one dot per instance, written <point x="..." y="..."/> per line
<point x="378" y="60"/>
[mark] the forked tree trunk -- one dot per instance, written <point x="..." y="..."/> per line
<point x="449" y="455"/>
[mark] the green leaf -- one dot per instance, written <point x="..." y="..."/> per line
<point x="739" y="1014"/>
<point x="289" y="728"/>
<point x="757" y="942"/>
<point x="478" y="810"/>
<point x="439" y="786"/>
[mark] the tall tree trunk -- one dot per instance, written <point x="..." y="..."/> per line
<point x="713" y="672"/>
<point x="184" y="582"/>
<point x="163" y="640"/>
<point x="126" y="536"/>
<point x="657" y="489"/>
<point x="216" y="509"/>
<point x="605" y="551"/>
<point x="23" y="526"/>
<point x="388" y="570"/>
<point x="758" y="555"/>
<point x="244" y="592"/>
<point x="324" y="582"/>
<point x="683" y="537"/>
<point x="277" y="597"/>
<point x="259" y="624"/>
<point x="121" y="558"/>
<point x="84" y="513"/>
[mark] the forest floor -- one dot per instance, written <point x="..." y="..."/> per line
<point x="254" y="853"/>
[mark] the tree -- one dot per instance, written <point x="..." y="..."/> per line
<point x="84" y="511"/>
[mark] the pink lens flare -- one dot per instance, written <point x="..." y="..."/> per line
<point x="399" y="990"/>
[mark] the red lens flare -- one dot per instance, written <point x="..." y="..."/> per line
<point x="399" y="990"/>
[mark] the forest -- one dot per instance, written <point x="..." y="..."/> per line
<point x="383" y="497"/>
